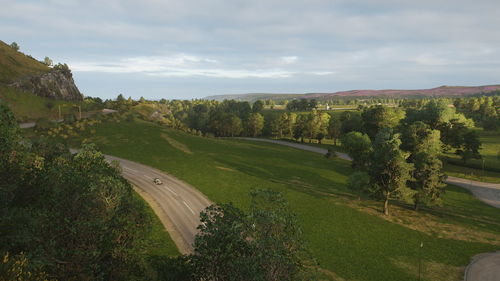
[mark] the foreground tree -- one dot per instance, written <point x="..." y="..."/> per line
<point x="264" y="244"/>
<point x="389" y="172"/>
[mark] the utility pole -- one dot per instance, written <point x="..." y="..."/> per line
<point x="420" y="261"/>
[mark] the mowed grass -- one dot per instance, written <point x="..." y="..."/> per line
<point x="350" y="241"/>
<point x="490" y="152"/>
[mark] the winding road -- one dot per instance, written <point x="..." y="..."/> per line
<point x="176" y="203"/>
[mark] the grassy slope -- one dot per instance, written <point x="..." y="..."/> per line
<point x="14" y="65"/>
<point x="26" y="106"/>
<point x="158" y="241"/>
<point x="29" y="107"/>
<point x="352" y="243"/>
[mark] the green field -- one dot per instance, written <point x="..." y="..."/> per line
<point x="349" y="238"/>
<point x="490" y="151"/>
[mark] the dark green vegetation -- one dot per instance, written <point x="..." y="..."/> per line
<point x="70" y="217"/>
<point x="263" y="244"/>
<point x="349" y="238"/>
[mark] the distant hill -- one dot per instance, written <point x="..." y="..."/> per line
<point x="439" y="91"/>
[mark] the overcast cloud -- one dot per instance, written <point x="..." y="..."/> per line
<point x="187" y="49"/>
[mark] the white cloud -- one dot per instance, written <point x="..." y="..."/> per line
<point x="289" y="59"/>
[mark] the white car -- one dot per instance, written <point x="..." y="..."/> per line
<point x="157" y="181"/>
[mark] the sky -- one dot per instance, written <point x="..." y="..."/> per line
<point x="184" y="49"/>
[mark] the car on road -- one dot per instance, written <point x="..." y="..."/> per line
<point x="157" y="181"/>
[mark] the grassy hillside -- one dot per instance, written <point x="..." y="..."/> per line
<point x="349" y="237"/>
<point x="29" y="107"/>
<point x="14" y="65"/>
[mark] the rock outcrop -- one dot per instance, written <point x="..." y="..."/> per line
<point x="55" y="84"/>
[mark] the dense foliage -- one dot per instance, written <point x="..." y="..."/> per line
<point x="70" y="216"/>
<point x="264" y="244"/>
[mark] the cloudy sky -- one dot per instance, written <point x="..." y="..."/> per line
<point x="188" y="49"/>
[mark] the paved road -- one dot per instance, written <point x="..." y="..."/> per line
<point x="484" y="267"/>
<point x="176" y="203"/>
<point x="301" y="146"/>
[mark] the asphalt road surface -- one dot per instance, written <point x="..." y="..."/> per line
<point x="176" y="203"/>
<point x="484" y="267"/>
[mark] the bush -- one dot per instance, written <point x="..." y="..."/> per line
<point x="69" y="118"/>
<point x="43" y="124"/>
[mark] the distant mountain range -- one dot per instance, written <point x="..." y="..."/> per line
<point x="439" y="91"/>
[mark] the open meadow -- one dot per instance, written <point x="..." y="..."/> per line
<point x="349" y="236"/>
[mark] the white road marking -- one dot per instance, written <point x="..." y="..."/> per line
<point x="130" y="169"/>
<point x="148" y="177"/>
<point x="188" y="206"/>
<point x="175" y="193"/>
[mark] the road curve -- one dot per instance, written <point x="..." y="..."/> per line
<point x="483" y="267"/>
<point x="174" y="199"/>
<point x="489" y="193"/>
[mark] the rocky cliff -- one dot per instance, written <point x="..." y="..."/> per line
<point x="55" y="84"/>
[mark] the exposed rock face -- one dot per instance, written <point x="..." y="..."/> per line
<point x="56" y="84"/>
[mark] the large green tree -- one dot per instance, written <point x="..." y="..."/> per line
<point x="263" y="244"/>
<point x="389" y="172"/>
<point x="379" y="117"/>
<point x="255" y="123"/>
<point x="335" y="129"/>
<point x="424" y="146"/>
<point x="359" y="148"/>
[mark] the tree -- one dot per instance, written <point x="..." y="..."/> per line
<point x="255" y="124"/>
<point x="472" y="144"/>
<point x="289" y="124"/>
<point x="265" y="244"/>
<point x="14" y="46"/>
<point x="257" y="106"/>
<point x="359" y="182"/>
<point x="389" y="172"/>
<point x="47" y="61"/>
<point x="335" y="129"/>
<point x="379" y="117"/>
<point x="424" y="146"/>
<point x="359" y="148"/>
